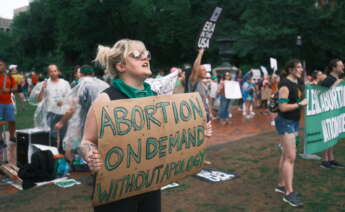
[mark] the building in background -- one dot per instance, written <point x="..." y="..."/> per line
<point x="19" y="10"/>
<point x="5" y="24"/>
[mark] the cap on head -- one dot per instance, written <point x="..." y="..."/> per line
<point x="87" y="70"/>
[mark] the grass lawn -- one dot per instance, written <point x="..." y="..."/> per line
<point x="25" y="114"/>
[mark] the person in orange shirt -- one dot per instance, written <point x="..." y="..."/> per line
<point x="19" y="79"/>
<point x="7" y="111"/>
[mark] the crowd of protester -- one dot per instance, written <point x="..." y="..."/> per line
<point x="63" y="107"/>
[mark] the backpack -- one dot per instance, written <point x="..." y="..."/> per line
<point x="273" y="103"/>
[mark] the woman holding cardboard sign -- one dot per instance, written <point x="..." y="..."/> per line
<point x="129" y="61"/>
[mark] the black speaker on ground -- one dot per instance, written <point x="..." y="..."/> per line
<point x="27" y="137"/>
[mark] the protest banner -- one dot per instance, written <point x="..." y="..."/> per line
<point x="324" y="117"/>
<point x="208" y="29"/>
<point x="232" y="90"/>
<point x="146" y="143"/>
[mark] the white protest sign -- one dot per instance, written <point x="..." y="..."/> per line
<point x="208" y="29"/>
<point x="274" y="63"/>
<point x="264" y="70"/>
<point x="232" y="90"/>
<point x="256" y="73"/>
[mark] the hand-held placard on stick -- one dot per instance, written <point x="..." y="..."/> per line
<point x="147" y="143"/>
<point x="208" y="29"/>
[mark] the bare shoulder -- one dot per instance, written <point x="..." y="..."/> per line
<point x="102" y="97"/>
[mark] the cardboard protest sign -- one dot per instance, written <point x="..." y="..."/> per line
<point x="146" y="143"/>
<point x="232" y="90"/>
<point x="208" y="29"/>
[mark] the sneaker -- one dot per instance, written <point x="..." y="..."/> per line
<point x="2" y="144"/>
<point x="280" y="189"/>
<point x="326" y="165"/>
<point x="335" y="164"/>
<point x="252" y="113"/>
<point x="230" y="115"/>
<point x="293" y="199"/>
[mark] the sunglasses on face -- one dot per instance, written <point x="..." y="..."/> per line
<point x="139" y="55"/>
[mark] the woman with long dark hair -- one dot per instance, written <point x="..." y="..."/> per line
<point x="287" y="125"/>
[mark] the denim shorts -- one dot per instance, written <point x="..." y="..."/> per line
<point x="7" y="112"/>
<point x="286" y="126"/>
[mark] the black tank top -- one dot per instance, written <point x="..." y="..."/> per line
<point x="114" y="93"/>
<point x="295" y="96"/>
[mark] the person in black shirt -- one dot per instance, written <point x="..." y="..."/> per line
<point x="287" y="121"/>
<point x="128" y="62"/>
<point x="335" y="68"/>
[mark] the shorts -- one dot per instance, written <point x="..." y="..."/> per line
<point x="249" y="99"/>
<point x="7" y="112"/>
<point x="286" y="126"/>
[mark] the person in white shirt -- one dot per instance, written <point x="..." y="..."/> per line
<point x="79" y="102"/>
<point x="53" y="93"/>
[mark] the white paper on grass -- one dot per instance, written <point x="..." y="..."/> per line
<point x="215" y="176"/>
<point x="67" y="183"/>
<point x="12" y="183"/>
<point x="51" y="181"/>
<point x="171" y="185"/>
<point x="232" y="90"/>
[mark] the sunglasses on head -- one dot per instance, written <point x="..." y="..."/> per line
<point x="139" y="55"/>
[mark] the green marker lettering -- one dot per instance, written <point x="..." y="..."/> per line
<point x="163" y="106"/>
<point x="122" y="120"/>
<point x="106" y="122"/>
<point x="115" y="150"/>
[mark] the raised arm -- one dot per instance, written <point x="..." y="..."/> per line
<point x="197" y="66"/>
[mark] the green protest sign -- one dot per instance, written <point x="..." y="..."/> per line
<point x="146" y="143"/>
<point x="324" y="117"/>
